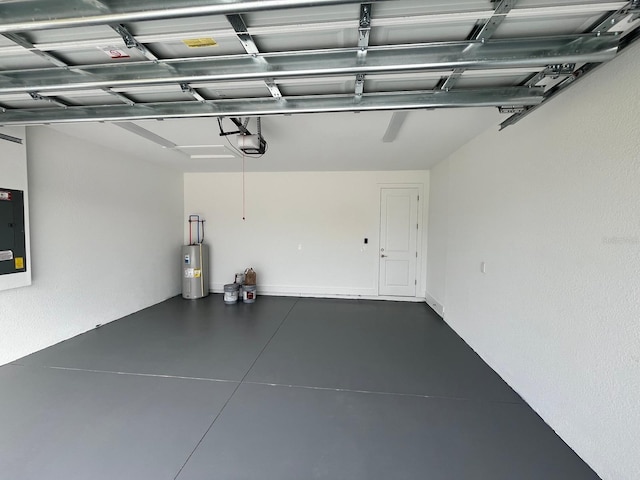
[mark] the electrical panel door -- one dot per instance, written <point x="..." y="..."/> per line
<point x="12" y="239"/>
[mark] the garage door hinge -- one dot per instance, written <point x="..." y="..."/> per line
<point x="415" y="282"/>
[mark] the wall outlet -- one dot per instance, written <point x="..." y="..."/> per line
<point x="435" y="305"/>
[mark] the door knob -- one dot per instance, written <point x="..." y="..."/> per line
<point x="383" y="256"/>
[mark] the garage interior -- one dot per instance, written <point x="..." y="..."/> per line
<point x="506" y="347"/>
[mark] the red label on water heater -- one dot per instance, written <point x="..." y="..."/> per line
<point x="5" y="195"/>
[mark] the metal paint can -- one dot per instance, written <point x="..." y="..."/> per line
<point x="249" y="293"/>
<point x="231" y="291"/>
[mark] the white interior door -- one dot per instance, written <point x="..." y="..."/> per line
<point x="398" y="241"/>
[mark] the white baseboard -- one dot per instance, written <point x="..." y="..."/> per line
<point x="435" y="304"/>
<point x="324" y="292"/>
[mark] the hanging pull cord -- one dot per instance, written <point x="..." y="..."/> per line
<point x="243" y="190"/>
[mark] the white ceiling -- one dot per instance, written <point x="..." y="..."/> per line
<point x="311" y="142"/>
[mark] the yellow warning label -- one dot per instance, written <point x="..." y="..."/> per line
<point x="199" y="42"/>
<point x="19" y="262"/>
<point x="197" y="272"/>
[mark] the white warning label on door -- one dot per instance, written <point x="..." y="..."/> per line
<point x="114" y="52"/>
<point x="6" y="255"/>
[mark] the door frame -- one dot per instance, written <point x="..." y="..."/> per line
<point x="419" y="239"/>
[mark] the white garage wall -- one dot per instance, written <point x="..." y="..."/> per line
<point x="552" y="205"/>
<point x="303" y="232"/>
<point x="106" y="233"/>
<point x="437" y="239"/>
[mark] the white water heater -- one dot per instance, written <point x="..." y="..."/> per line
<point x="195" y="262"/>
<point x="195" y="271"/>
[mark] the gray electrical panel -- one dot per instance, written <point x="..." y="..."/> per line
<point x="13" y="257"/>
<point x="195" y="271"/>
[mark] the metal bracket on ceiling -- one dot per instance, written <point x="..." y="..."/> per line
<point x="120" y="96"/>
<point x="55" y="101"/>
<point x="616" y="17"/>
<point x="364" y="27"/>
<point x="452" y="79"/>
<point x="248" y="43"/>
<point x="602" y="26"/>
<point x="481" y="35"/>
<point x="243" y="34"/>
<point x="193" y="92"/>
<point x="579" y="74"/>
<point x="364" y="30"/>
<point x="558" y="70"/>
<point x="271" y="84"/>
<point x="24" y="43"/>
<point x="240" y="125"/>
<point x="553" y="71"/>
<point x="492" y="24"/>
<point x="511" y="109"/>
<point x="131" y="42"/>
<point x="359" y="84"/>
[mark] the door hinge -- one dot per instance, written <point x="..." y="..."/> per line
<point x="417" y="227"/>
<point x="415" y="282"/>
<point x="418" y="197"/>
<point x="416" y="254"/>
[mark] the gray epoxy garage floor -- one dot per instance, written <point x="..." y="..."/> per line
<point x="282" y="389"/>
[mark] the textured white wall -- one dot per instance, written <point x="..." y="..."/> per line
<point x="552" y="205"/>
<point x="13" y="175"/>
<point x="106" y="233"/>
<point x="328" y="214"/>
<point x="437" y="239"/>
